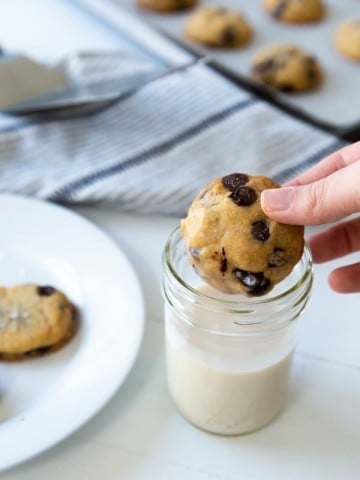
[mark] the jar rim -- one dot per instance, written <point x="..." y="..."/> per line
<point x="235" y="304"/>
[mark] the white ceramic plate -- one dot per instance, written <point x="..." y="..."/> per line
<point x="45" y="399"/>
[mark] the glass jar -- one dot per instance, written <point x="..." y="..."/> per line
<point x="229" y="356"/>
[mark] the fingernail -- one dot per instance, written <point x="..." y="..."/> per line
<point x="277" y="199"/>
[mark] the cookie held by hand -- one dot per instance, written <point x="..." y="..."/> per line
<point x="232" y="244"/>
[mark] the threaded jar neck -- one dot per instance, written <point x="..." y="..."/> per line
<point x="209" y="309"/>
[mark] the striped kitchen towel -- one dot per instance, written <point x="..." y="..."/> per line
<point x="154" y="148"/>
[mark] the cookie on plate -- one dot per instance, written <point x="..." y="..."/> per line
<point x="232" y="244"/>
<point x="166" y="5"/>
<point x="347" y="38"/>
<point x="34" y="320"/>
<point x="286" y="68"/>
<point x="218" y="27"/>
<point x="295" y="11"/>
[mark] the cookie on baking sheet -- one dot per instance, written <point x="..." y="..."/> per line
<point x="218" y="27"/>
<point x="347" y="38"/>
<point x="232" y="244"/>
<point x="34" y="320"/>
<point x="166" y="5"/>
<point x="295" y="11"/>
<point x="286" y="68"/>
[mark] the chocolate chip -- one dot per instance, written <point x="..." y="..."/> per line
<point x="181" y="4"/>
<point x="244" y="196"/>
<point x="223" y="265"/>
<point x="260" y="230"/>
<point x="277" y="258"/>
<point x="42" y="350"/>
<point x="223" y="261"/>
<point x="228" y="36"/>
<point x="235" y="180"/>
<point x="278" y="11"/>
<point x="37" y="351"/>
<point x="265" y="66"/>
<point x="248" y="279"/>
<point x="256" y="282"/>
<point x="45" y="291"/>
<point x="311" y="74"/>
<point x="261" y="288"/>
<point x="286" y="88"/>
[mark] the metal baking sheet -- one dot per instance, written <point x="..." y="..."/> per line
<point x="92" y="26"/>
<point x="336" y="104"/>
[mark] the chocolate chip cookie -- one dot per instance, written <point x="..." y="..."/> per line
<point x="166" y="5"/>
<point x="232" y="244"/>
<point x="286" y="68"/>
<point x="34" y="320"/>
<point x="347" y="38"/>
<point x="218" y="27"/>
<point x="295" y="11"/>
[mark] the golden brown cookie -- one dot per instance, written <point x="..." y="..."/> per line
<point x="295" y="11"/>
<point x="166" y="5"/>
<point x="347" y="38"/>
<point x="232" y="244"/>
<point x="286" y="68"/>
<point x="218" y="27"/>
<point x="34" y="320"/>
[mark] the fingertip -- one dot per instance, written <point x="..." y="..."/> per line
<point x="277" y="199"/>
<point x="337" y="284"/>
<point x="345" y="279"/>
<point x="276" y="203"/>
<point x="264" y="201"/>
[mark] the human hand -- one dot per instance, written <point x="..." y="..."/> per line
<point x="327" y="192"/>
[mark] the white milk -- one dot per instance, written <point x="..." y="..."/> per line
<point x="223" y="389"/>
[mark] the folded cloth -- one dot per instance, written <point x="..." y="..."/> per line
<point x="152" y="150"/>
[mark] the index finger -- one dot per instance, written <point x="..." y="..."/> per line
<point x="328" y="165"/>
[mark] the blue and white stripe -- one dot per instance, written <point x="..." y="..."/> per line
<point x="154" y="149"/>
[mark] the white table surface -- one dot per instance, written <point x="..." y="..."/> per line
<point x="139" y="435"/>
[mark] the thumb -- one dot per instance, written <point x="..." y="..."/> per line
<point x="323" y="201"/>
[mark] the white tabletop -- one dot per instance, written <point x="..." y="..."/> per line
<point x="140" y="435"/>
